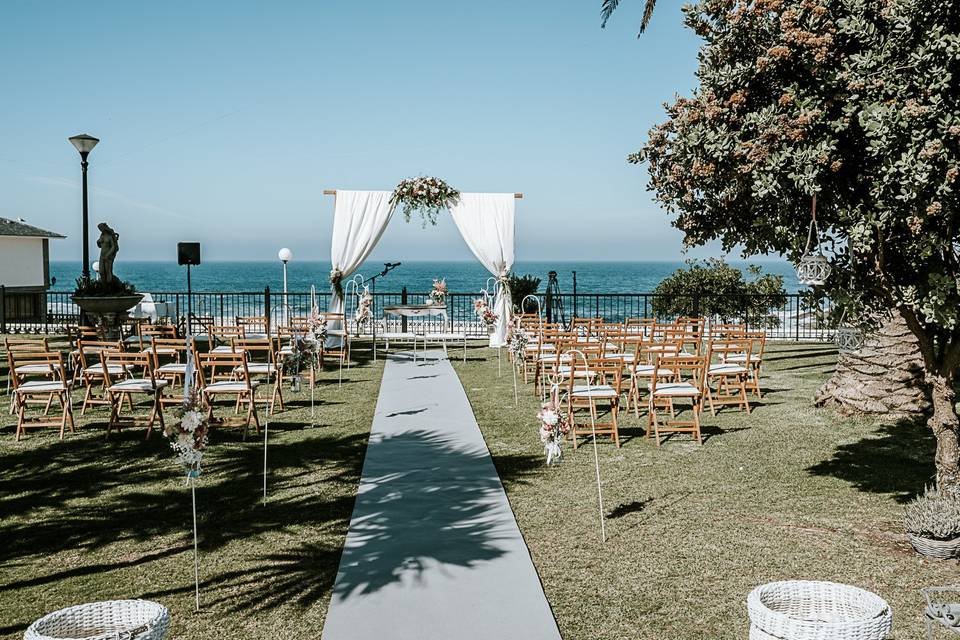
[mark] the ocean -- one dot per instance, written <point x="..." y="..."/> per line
<point x="461" y="276"/>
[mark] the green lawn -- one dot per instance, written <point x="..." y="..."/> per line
<point x="787" y="492"/>
<point x="92" y="518"/>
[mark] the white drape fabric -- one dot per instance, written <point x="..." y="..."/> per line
<point x="485" y="221"/>
<point x="359" y="219"/>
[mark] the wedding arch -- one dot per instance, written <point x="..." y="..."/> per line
<point x="485" y="220"/>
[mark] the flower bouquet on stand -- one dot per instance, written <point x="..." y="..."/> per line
<point x="554" y="426"/>
<point x="188" y="439"/>
<point x="438" y="294"/>
<point x="363" y="314"/>
<point x="485" y="314"/>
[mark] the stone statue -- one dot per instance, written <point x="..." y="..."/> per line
<point x="109" y="243"/>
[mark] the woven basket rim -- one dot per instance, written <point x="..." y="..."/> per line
<point x="758" y="610"/>
<point x="154" y="612"/>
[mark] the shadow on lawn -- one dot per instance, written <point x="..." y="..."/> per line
<point x="895" y="459"/>
<point x="437" y="512"/>
<point x="87" y="500"/>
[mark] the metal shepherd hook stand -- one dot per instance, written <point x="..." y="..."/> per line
<point x="516" y="399"/>
<point x="188" y="383"/>
<point x="555" y="392"/>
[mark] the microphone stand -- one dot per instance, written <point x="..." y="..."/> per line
<point x="387" y="268"/>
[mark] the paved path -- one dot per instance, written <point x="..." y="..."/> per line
<point x="433" y="551"/>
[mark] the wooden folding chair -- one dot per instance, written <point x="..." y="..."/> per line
<point x="261" y="361"/>
<point x="594" y="380"/>
<point x="92" y="374"/>
<point x="221" y="337"/>
<point x="726" y="382"/>
<point x="241" y="388"/>
<point x="752" y="360"/>
<point x="341" y="353"/>
<point x="643" y="368"/>
<point x="26" y="344"/>
<point x="252" y="324"/>
<point x="170" y="357"/>
<point x="148" y="332"/>
<point x="53" y="386"/>
<point x="120" y="387"/>
<point x="75" y="334"/>
<point x="688" y="373"/>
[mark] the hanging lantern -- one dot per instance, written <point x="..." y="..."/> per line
<point x="849" y="338"/>
<point x="813" y="268"/>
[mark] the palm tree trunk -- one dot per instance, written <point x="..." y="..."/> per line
<point x="885" y="377"/>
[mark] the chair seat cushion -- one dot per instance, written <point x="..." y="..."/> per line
<point x="646" y="371"/>
<point x="677" y="389"/>
<point x="37" y="369"/>
<point x="742" y="357"/>
<point x="259" y="368"/>
<point x="112" y="369"/>
<point x="173" y="367"/>
<point x="445" y="336"/>
<point x="41" y="386"/>
<point x="564" y="370"/>
<point x="227" y="386"/>
<point x="138" y="385"/>
<point x="163" y="351"/>
<point x="224" y="348"/>
<point x="597" y="392"/>
<point x="725" y="369"/>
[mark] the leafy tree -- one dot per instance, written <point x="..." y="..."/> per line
<point x="856" y="101"/>
<point x="715" y="289"/>
<point x="609" y="6"/>
<point x="520" y="288"/>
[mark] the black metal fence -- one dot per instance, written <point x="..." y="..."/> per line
<point x="786" y="317"/>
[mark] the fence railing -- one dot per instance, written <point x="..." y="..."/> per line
<point x="785" y="317"/>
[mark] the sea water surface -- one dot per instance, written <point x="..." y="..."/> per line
<point x="461" y="276"/>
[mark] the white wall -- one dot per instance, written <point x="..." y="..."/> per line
<point x="21" y="262"/>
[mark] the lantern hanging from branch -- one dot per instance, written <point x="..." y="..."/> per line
<point x="813" y="268"/>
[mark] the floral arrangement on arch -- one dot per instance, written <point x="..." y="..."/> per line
<point x="438" y="294"/>
<point x="483" y="311"/>
<point x="554" y="426"/>
<point x="424" y="195"/>
<point x="188" y="435"/>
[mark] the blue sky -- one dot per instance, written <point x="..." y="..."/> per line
<point x="223" y="122"/>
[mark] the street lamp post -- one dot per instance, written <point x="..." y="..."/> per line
<point x="285" y="256"/>
<point x="85" y="144"/>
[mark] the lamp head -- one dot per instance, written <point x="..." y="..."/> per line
<point x="84" y="143"/>
<point x="285" y="255"/>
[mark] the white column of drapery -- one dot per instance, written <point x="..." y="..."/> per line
<point x="485" y="221"/>
<point x="359" y="219"/>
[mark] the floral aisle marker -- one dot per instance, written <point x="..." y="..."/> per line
<point x="424" y="195"/>
<point x="188" y="439"/>
<point x="517" y="345"/>
<point x="484" y="313"/>
<point x="554" y="427"/>
<point x="438" y="293"/>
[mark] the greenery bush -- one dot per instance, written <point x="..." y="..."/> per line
<point x="115" y="287"/>
<point x="933" y="515"/>
<point x="715" y="289"/>
<point x="520" y="288"/>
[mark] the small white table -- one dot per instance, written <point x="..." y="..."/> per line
<point x="416" y="311"/>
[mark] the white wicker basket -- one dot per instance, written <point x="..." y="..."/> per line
<point x="808" y="610"/>
<point x="110" y="620"/>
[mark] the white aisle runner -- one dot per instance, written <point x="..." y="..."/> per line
<point x="433" y="551"/>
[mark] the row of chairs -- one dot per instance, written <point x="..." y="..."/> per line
<point x="595" y="364"/>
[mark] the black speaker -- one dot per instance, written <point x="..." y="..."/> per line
<point x="188" y="253"/>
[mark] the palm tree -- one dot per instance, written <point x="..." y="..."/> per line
<point x="609" y="6"/>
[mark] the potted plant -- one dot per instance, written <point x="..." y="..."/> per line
<point x="932" y="522"/>
<point x="106" y="303"/>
